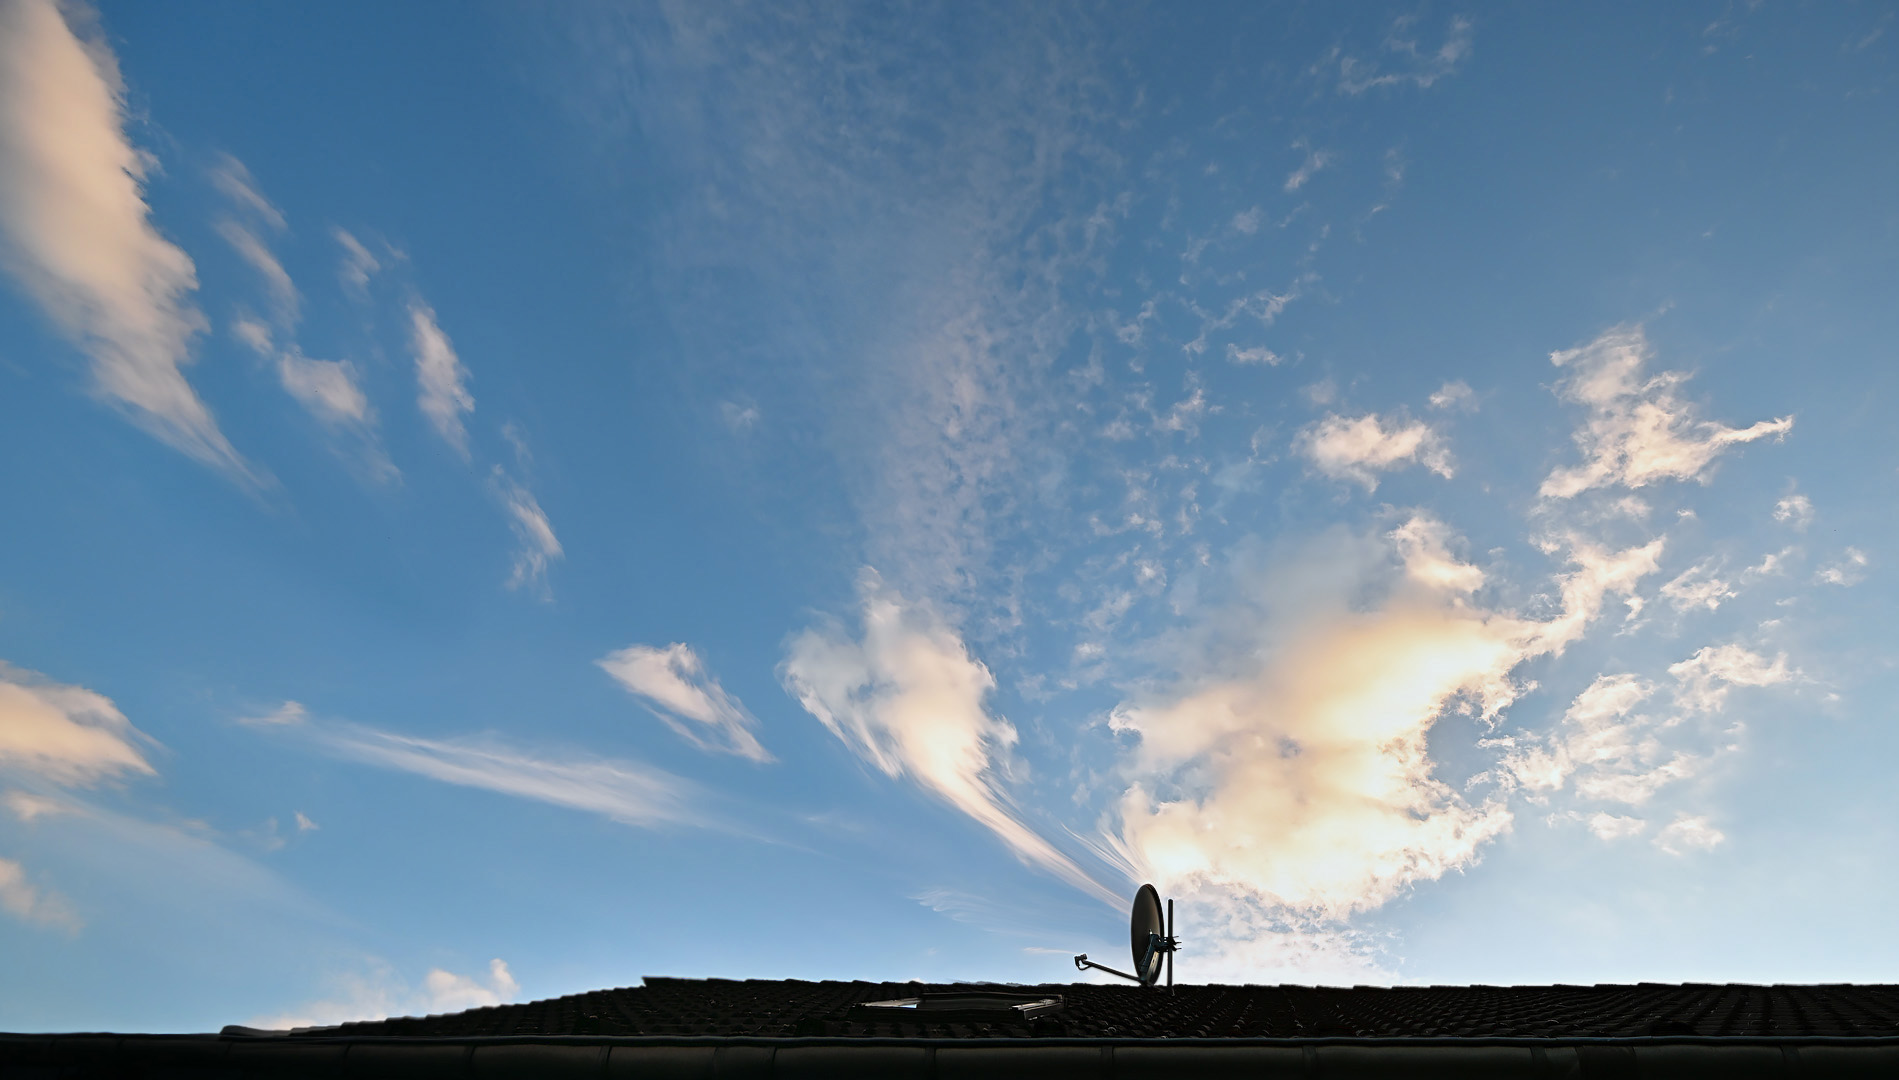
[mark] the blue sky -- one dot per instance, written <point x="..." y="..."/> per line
<point x="503" y="501"/>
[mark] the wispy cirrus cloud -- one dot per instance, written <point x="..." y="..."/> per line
<point x="1638" y="430"/>
<point x="78" y="236"/>
<point x="630" y="792"/>
<point x="358" y="264"/>
<point x="1314" y="162"/>
<point x="1405" y="61"/>
<point x="907" y="697"/>
<point x="536" y="546"/>
<point x="687" y="698"/>
<point x="329" y="390"/>
<point x="441" y="380"/>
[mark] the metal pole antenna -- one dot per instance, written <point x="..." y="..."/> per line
<point x="1170" y="944"/>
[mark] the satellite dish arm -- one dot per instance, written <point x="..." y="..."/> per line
<point x="1082" y="963"/>
<point x="1172" y="944"/>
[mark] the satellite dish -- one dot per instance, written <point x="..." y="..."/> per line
<point x="1151" y="941"/>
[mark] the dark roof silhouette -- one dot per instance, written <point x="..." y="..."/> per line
<point x="782" y="1008"/>
<point x="716" y="1029"/>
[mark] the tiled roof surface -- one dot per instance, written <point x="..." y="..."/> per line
<point x="754" y="1007"/>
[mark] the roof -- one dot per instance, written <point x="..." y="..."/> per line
<point x="716" y="1029"/>
<point x="791" y="1008"/>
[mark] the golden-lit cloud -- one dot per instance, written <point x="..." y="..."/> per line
<point x="76" y="234"/>
<point x="65" y="735"/>
<point x="1298" y="778"/>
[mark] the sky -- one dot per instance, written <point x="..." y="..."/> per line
<point x="501" y="501"/>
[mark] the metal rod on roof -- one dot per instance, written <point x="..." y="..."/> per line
<point x="1170" y="945"/>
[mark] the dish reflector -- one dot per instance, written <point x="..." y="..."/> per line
<point x="1147" y="933"/>
<point x="1150" y="938"/>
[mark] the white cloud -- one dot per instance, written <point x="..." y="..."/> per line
<point x="304" y="824"/>
<point x="449" y="992"/>
<point x="358" y="264"/>
<point x="1264" y="305"/>
<point x="233" y="178"/>
<point x="1687" y="833"/>
<point x="1848" y="569"/>
<point x="1315" y="161"/>
<point x="738" y="417"/>
<point x="1771" y="564"/>
<point x="287" y="714"/>
<point x="536" y="544"/>
<point x="1258" y="354"/>
<point x="65" y="734"/>
<point x="30" y="807"/>
<point x="77" y="232"/>
<point x="908" y="698"/>
<point x="380" y="993"/>
<point x="1613" y="752"/>
<point x="1697" y="587"/>
<point x="1247" y="222"/>
<point x="1705" y="677"/>
<point x="1613" y="827"/>
<point x="1299" y="779"/>
<point x="249" y="247"/>
<point x="328" y="389"/>
<point x="682" y="694"/>
<point x="1417" y="67"/>
<point x="1357" y="448"/>
<point x="1456" y="394"/>
<point x="440" y="377"/>
<point x="1638" y="431"/>
<point x="30" y="903"/>
<point x="629" y="792"/>
<point x="1795" y="510"/>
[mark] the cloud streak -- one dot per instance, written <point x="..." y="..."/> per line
<point x="536" y="546"/>
<point x="1406" y="62"/>
<point x="329" y="390"/>
<point x="908" y="698"/>
<point x="686" y="698"/>
<point x="441" y="380"/>
<point x="624" y="791"/>
<point x="78" y="235"/>
<point x="629" y="792"/>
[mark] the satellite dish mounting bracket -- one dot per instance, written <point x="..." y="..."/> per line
<point x="1152" y="941"/>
